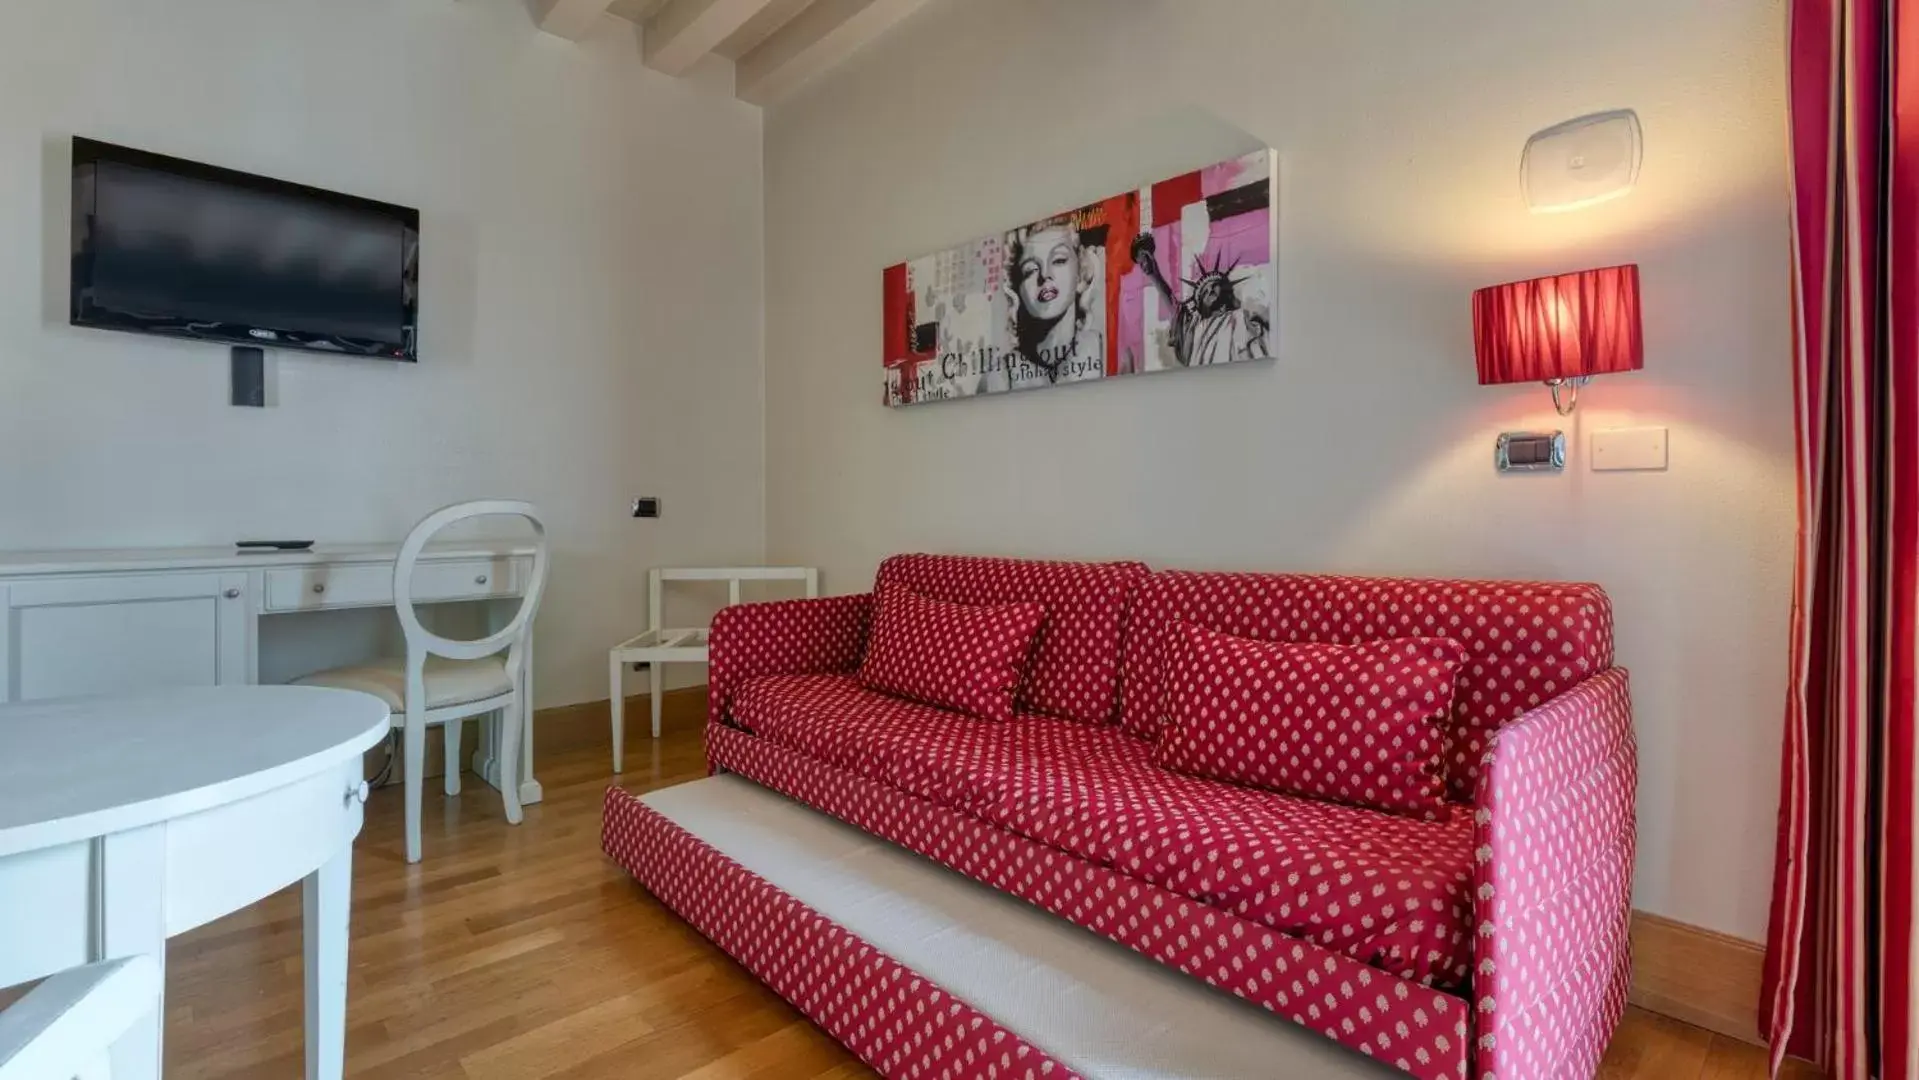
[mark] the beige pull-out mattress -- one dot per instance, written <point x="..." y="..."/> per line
<point x="1099" y="1009"/>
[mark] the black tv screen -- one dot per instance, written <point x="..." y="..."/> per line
<point x="173" y="247"/>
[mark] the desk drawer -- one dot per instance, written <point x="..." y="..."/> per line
<point x="371" y="585"/>
<point x="222" y="859"/>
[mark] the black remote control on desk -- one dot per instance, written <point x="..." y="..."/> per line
<point x="274" y="545"/>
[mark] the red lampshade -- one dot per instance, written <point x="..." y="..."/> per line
<point x="1562" y="327"/>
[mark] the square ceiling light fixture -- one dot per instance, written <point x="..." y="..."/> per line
<point x="1581" y="162"/>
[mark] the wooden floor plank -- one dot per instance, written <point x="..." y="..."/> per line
<point x="1731" y="1059"/>
<point x="522" y="954"/>
<point x="798" y="1049"/>
<point x="1650" y="1047"/>
<point x="567" y="1040"/>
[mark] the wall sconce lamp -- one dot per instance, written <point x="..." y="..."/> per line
<point x="1559" y="330"/>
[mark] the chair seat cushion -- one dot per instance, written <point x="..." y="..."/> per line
<point x="448" y="682"/>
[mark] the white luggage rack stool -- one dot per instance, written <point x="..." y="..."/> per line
<point x="664" y="645"/>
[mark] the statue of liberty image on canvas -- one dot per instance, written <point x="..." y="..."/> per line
<point x="1212" y="325"/>
<point x="1201" y="288"/>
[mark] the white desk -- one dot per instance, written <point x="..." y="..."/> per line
<point x="93" y="622"/>
<point x="130" y="819"/>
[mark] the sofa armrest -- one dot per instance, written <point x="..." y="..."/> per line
<point x="1553" y="848"/>
<point x="785" y="637"/>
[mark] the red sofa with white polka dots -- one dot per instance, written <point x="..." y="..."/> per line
<point x="1489" y="944"/>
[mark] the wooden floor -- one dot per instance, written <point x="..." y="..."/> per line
<point x="516" y="953"/>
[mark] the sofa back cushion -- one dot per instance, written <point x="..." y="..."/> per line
<point x="1357" y="724"/>
<point x="1074" y="669"/>
<point x="1526" y="642"/>
<point x="969" y="658"/>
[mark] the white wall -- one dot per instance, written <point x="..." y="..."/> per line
<point x="592" y="259"/>
<point x="1367" y="446"/>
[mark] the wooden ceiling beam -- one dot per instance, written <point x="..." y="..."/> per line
<point x="684" y="31"/>
<point x="570" y="19"/>
<point x="819" y="37"/>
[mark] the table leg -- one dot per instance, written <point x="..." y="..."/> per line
<point x="324" y="902"/>
<point x="132" y="920"/>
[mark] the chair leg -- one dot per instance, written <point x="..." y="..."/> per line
<point x="616" y="704"/>
<point x="657" y="692"/>
<point x="451" y="732"/>
<point x="510" y="735"/>
<point x="413" y="757"/>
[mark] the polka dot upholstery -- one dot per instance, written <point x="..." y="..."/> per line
<point x="1357" y="724"/>
<point x="899" y="1022"/>
<point x="1554" y="839"/>
<point x="1390" y="892"/>
<point x="1526" y="642"/>
<point x="1074" y="671"/>
<point x="835" y="719"/>
<point x="783" y="637"/>
<point x="975" y="768"/>
<point x="1421" y="1031"/>
<point x="965" y="657"/>
<point x="1078" y="820"/>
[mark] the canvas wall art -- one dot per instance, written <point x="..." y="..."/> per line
<point x="1179" y="274"/>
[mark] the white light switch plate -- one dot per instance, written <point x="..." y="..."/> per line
<point x="1629" y="448"/>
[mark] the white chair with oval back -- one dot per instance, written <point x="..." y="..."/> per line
<point x="446" y="682"/>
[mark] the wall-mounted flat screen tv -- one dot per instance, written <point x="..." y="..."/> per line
<point x="173" y="247"/>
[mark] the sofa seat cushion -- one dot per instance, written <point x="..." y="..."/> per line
<point x="957" y="761"/>
<point x="969" y="766"/>
<point x="1389" y="891"/>
<point x="835" y="720"/>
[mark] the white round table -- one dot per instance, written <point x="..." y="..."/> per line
<point x="125" y="820"/>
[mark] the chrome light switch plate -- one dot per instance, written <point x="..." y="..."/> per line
<point x="1530" y="451"/>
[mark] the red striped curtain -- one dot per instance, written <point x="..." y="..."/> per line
<point x="1841" y="962"/>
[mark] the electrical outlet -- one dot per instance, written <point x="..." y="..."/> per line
<point x="646" y="506"/>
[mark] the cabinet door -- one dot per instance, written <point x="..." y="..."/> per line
<point x="119" y="633"/>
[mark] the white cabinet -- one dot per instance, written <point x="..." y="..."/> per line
<point x="118" y="633"/>
<point x="132" y="620"/>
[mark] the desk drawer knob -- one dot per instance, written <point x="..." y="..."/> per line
<point x="232" y="594"/>
<point x="481" y="580"/>
<point x="357" y="794"/>
<point x="319" y="587"/>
